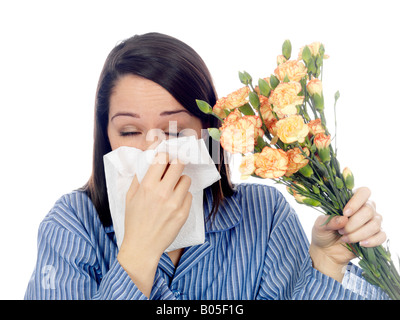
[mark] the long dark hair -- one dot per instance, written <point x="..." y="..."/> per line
<point x="180" y="70"/>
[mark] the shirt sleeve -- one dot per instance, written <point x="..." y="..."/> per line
<point x="288" y="271"/>
<point x="67" y="268"/>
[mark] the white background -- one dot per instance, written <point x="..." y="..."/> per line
<point x="52" y="53"/>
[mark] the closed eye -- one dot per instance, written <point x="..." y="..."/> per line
<point x="125" y="134"/>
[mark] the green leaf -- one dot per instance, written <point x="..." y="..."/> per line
<point x="287" y="49"/>
<point x="247" y="110"/>
<point x="306" y="55"/>
<point x="204" y="106"/>
<point x="274" y="81"/>
<point x="321" y="50"/>
<point x="245" y="78"/>
<point x="260" y="143"/>
<point x="264" y="87"/>
<point x="254" y="100"/>
<point x="214" y="133"/>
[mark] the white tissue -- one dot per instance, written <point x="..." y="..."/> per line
<point x="122" y="164"/>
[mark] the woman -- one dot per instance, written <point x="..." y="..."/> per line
<point x="255" y="247"/>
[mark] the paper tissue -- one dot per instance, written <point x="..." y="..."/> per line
<point x="122" y="164"/>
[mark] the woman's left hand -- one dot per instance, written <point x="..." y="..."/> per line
<point x="360" y="223"/>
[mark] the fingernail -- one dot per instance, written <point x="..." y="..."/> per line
<point x="347" y="212"/>
<point x="364" y="243"/>
<point x="341" y="231"/>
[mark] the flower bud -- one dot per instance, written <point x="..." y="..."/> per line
<point x="311" y="202"/>
<point x="245" y="78"/>
<point x="306" y="171"/>
<point x="314" y="88"/>
<point x="322" y="143"/>
<point x="348" y="178"/>
<point x="339" y="183"/>
<point x="287" y="49"/>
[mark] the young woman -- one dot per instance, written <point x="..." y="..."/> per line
<point x="255" y="247"/>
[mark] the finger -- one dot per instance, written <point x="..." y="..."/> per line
<point x="172" y="175"/>
<point x="182" y="187"/>
<point x="187" y="203"/>
<point x="133" y="188"/>
<point x="374" y="241"/>
<point x="365" y="232"/>
<point x="156" y="169"/>
<point x="336" y="223"/>
<point x="358" y="219"/>
<point x="359" y="198"/>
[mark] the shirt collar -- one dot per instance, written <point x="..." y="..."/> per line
<point x="228" y="215"/>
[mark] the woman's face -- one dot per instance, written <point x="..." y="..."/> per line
<point x="142" y="114"/>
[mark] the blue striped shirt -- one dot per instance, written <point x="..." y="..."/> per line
<point x="255" y="248"/>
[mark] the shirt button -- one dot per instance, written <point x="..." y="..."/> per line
<point x="176" y="293"/>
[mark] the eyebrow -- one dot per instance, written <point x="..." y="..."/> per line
<point x="135" y="115"/>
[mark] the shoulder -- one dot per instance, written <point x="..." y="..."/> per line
<point x="259" y="196"/>
<point x="262" y="201"/>
<point x="75" y="213"/>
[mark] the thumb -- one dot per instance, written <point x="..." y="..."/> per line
<point x="325" y="233"/>
<point x="326" y="223"/>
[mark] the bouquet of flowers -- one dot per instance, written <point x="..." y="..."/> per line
<point x="279" y="127"/>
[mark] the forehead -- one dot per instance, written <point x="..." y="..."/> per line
<point x="142" y="96"/>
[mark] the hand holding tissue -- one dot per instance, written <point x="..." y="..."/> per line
<point x="122" y="164"/>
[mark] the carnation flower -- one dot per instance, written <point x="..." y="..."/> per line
<point x="265" y="109"/>
<point x="296" y="160"/>
<point x="322" y="141"/>
<point x="219" y="107"/>
<point x="285" y="98"/>
<point x="314" y="48"/>
<point x="316" y="127"/>
<point x="292" y="129"/>
<point x="237" y="99"/>
<point x="295" y="70"/>
<point x="271" y="163"/>
<point x="239" y="135"/>
<point x="247" y="166"/>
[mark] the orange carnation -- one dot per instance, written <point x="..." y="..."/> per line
<point x="247" y="166"/>
<point x="231" y="119"/>
<point x="271" y="163"/>
<point x="219" y="107"/>
<point x="292" y="129"/>
<point x="285" y="98"/>
<point x="295" y="70"/>
<point x="296" y="160"/>
<point x="315" y="127"/>
<point x="237" y="99"/>
<point x="314" y="48"/>
<point x="265" y="109"/>
<point x="314" y="86"/>
<point x="240" y="135"/>
<point x="232" y="101"/>
<point x="322" y="141"/>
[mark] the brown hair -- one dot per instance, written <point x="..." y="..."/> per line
<point x="180" y="70"/>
